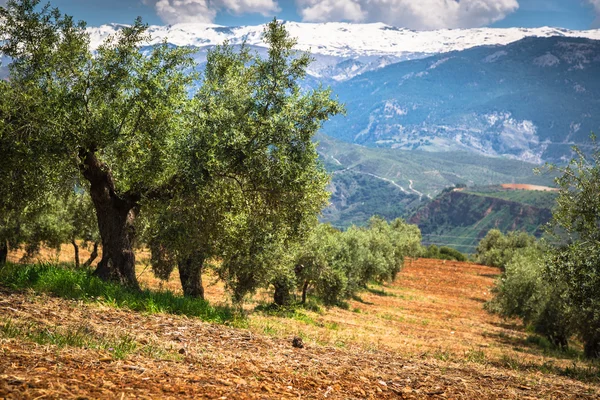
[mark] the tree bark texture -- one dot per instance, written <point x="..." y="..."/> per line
<point x="93" y="255"/>
<point x="3" y="251"/>
<point x="190" y="274"/>
<point x="282" y="296"/>
<point x="591" y="346"/>
<point x="304" y="291"/>
<point x="116" y="214"/>
<point x="76" y="249"/>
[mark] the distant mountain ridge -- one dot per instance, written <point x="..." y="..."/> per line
<point x="344" y="50"/>
<point x="530" y="100"/>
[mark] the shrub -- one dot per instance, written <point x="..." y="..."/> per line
<point x="444" y="253"/>
<point x="496" y="249"/>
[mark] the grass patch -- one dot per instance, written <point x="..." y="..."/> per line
<point x="475" y="356"/>
<point x="380" y="292"/>
<point x="292" y="312"/>
<point x="82" y="285"/>
<point x="549" y="349"/>
<point x="81" y="336"/>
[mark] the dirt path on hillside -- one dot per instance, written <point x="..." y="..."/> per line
<point x="179" y="357"/>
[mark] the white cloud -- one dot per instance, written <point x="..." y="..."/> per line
<point x="176" y="11"/>
<point x="414" y="14"/>
<point x="596" y="4"/>
<point x="331" y="10"/>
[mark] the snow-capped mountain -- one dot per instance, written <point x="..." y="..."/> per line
<point x="344" y="50"/>
<point x="530" y="100"/>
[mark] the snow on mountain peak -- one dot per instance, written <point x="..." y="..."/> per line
<point x="341" y="39"/>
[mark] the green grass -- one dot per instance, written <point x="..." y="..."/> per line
<point x="291" y="312"/>
<point x="81" y="336"/>
<point x="82" y="285"/>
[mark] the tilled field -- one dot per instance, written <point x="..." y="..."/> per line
<point x="177" y="357"/>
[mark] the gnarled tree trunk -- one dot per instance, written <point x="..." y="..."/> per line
<point x="93" y="255"/>
<point x="116" y="214"/>
<point x="3" y="251"/>
<point x="190" y="274"/>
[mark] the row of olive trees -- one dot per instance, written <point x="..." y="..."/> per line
<point x="335" y="265"/>
<point x="556" y="287"/>
<point x="226" y="169"/>
<point x="523" y="289"/>
<point x="56" y="221"/>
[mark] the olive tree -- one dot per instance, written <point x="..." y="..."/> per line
<point x="125" y="123"/>
<point x="250" y="181"/>
<point x="109" y="115"/>
<point x="259" y="126"/>
<point x="575" y="265"/>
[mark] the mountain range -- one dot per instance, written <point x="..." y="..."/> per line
<point x="530" y="100"/>
<point x="343" y="50"/>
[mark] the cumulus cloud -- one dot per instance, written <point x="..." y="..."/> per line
<point x="414" y="14"/>
<point x="331" y="10"/>
<point x="176" y="11"/>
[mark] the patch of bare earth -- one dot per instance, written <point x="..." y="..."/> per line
<point x="425" y="336"/>
<point x="522" y="186"/>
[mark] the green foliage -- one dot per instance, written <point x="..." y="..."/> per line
<point x="80" y="284"/>
<point x="575" y="265"/>
<point x="443" y="253"/>
<point x="523" y="290"/>
<point x="497" y="249"/>
<point x="556" y="292"/>
<point x="54" y="221"/>
<point x="337" y="265"/>
<point x="259" y="126"/>
<point x="116" y="102"/>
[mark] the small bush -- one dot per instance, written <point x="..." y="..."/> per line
<point x="497" y="249"/>
<point x="444" y="253"/>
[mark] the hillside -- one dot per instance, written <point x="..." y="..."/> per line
<point x="393" y="183"/>
<point x="424" y="336"/>
<point x="529" y="100"/>
<point x="460" y="219"/>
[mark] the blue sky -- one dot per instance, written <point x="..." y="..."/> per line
<point x="415" y="14"/>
